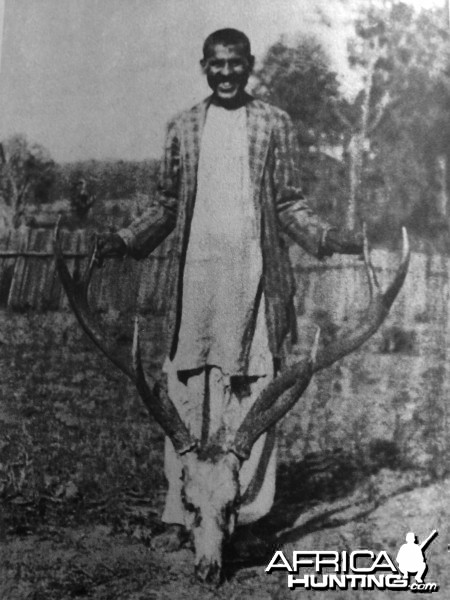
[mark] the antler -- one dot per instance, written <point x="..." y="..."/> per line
<point x="284" y="391"/>
<point x="151" y="391"/>
<point x="77" y="294"/>
<point x="159" y="404"/>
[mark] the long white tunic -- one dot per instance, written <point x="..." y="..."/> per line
<point x="222" y="275"/>
<point x="223" y="266"/>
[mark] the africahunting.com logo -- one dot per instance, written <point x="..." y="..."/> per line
<point x="359" y="569"/>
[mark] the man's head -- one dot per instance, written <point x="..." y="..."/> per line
<point x="227" y="63"/>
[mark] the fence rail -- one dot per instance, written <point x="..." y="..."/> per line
<point x="13" y="254"/>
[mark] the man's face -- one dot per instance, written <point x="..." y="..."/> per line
<point x="227" y="70"/>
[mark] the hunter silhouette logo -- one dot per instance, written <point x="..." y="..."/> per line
<point x="411" y="557"/>
<point x="360" y="569"/>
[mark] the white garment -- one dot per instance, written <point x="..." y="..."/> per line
<point x="222" y="273"/>
<point x="223" y="266"/>
<point x="226" y="411"/>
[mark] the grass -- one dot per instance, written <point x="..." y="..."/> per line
<point x="77" y="442"/>
<point x="81" y="466"/>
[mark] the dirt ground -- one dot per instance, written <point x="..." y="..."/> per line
<point x="81" y="481"/>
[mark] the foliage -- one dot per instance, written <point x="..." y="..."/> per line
<point x="26" y="172"/>
<point x="107" y="179"/>
<point x="413" y="75"/>
<point x="383" y="154"/>
<point x="28" y="176"/>
<point x="298" y="78"/>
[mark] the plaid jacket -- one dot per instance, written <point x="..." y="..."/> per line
<point x="279" y="203"/>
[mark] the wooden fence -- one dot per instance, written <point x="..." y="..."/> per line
<point x="28" y="279"/>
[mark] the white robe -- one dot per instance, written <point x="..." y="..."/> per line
<point x="222" y="274"/>
<point x="223" y="266"/>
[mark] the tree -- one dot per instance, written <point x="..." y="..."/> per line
<point x="298" y="78"/>
<point x="391" y="141"/>
<point x="379" y="33"/>
<point x="395" y="125"/>
<point x="26" y="172"/>
<point x="367" y="52"/>
<point x="409" y="148"/>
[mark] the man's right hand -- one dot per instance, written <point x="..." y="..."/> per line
<point x="110" y="244"/>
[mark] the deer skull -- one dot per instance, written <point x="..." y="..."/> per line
<point x="210" y="497"/>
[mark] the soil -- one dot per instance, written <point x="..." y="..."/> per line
<point x="82" y="488"/>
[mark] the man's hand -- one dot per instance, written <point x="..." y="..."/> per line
<point x="346" y="242"/>
<point x="110" y="244"/>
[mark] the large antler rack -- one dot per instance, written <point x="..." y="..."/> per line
<point x="284" y="391"/>
<point x="152" y="391"/>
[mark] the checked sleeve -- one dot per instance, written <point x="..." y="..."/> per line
<point x="155" y="224"/>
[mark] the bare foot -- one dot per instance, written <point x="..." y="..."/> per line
<point x="172" y="539"/>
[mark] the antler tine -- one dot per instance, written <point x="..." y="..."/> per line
<point x="158" y="403"/>
<point x="93" y="262"/>
<point x="77" y="294"/>
<point x="370" y="271"/>
<point x="394" y="288"/>
<point x="284" y="391"/>
<point x="315" y="347"/>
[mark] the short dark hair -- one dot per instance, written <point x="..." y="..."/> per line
<point x="226" y="37"/>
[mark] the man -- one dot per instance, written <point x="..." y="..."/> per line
<point x="81" y="200"/>
<point x="229" y="186"/>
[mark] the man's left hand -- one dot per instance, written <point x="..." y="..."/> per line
<point x="345" y="242"/>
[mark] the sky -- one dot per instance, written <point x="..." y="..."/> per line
<point x="100" y="78"/>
